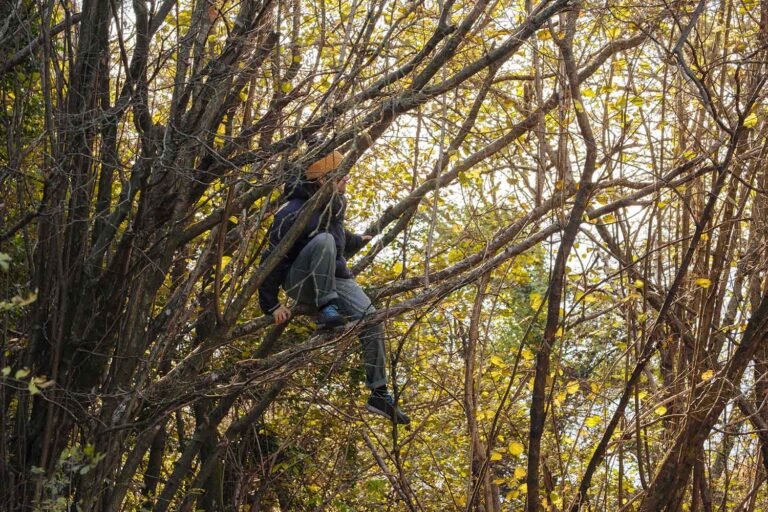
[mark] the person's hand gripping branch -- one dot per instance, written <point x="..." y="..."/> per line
<point x="282" y="314"/>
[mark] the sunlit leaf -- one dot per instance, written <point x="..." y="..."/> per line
<point x="593" y="421"/>
<point x="515" y="448"/>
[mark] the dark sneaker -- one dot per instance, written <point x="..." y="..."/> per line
<point x="384" y="405"/>
<point x="329" y="317"/>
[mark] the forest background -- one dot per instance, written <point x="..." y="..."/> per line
<point x="568" y="204"/>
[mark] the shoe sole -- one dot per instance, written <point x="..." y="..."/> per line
<point x="374" y="410"/>
<point x="377" y="411"/>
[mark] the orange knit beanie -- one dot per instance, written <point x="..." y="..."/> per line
<point x="325" y="165"/>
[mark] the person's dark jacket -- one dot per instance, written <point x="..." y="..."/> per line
<point x="329" y="219"/>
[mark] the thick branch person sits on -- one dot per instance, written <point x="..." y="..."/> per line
<point x="315" y="272"/>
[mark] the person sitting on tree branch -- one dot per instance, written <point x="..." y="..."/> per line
<point x="315" y="272"/>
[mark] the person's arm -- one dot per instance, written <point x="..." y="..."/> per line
<point x="353" y="243"/>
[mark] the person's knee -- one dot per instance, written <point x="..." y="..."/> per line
<point x="325" y="241"/>
<point x="323" y="238"/>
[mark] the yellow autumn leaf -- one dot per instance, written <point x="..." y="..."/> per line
<point x="535" y="298"/>
<point x="751" y="120"/>
<point x="613" y="32"/>
<point x="520" y="472"/>
<point x="703" y="282"/>
<point x="639" y="284"/>
<point x="660" y="410"/>
<point x="221" y="132"/>
<point x="527" y="354"/>
<point x="496" y="360"/>
<point x="572" y="387"/>
<point x="515" y="448"/>
<point x="707" y="375"/>
<point x="593" y="421"/>
<point x="495" y="456"/>
<point x="608" y="219"/>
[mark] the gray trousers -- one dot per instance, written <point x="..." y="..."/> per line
<point x="312" y="280"/>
